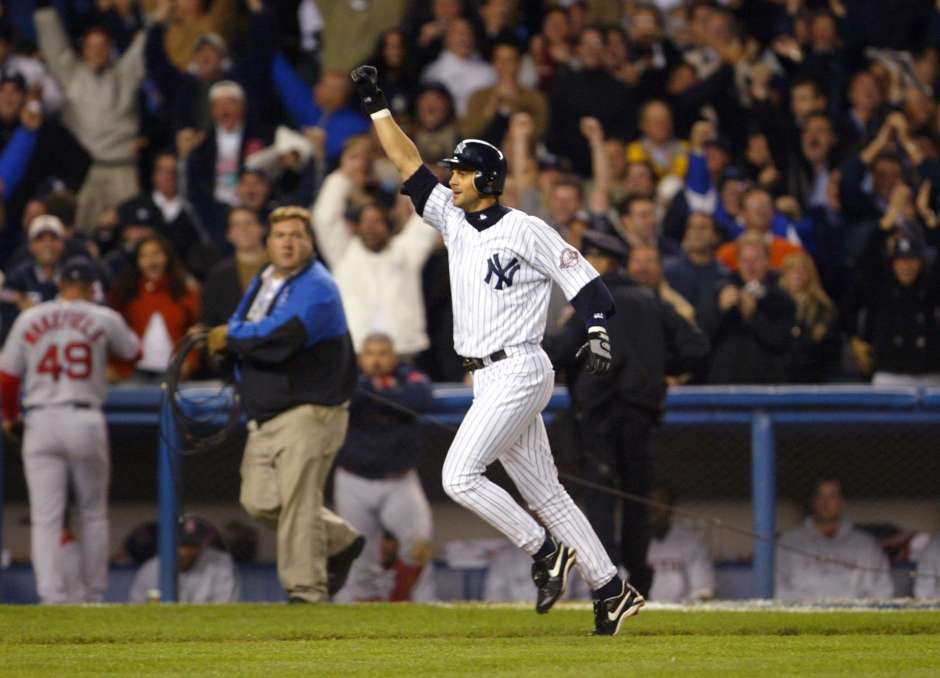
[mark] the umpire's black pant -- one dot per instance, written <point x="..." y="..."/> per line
<point x="619" y="448"/>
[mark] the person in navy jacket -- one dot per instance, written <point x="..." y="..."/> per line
<point x="377" y="487"/>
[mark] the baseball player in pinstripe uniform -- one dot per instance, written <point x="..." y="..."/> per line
<point x="502" y="263"/>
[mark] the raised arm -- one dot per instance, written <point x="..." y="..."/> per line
<point x="599" y="200"/>
<point x="54" y="44"/>
<point x="397" y="146"/>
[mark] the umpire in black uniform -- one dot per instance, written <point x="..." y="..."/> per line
<point x="618" y="410"/>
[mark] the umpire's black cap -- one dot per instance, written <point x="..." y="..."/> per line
<point x="488" y="161"/>
<point x="78" y="269"/>
<point x="595" y="243"/>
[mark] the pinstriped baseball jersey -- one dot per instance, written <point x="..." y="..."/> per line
<point x="501" y="276"/>
<point x="502" y="264"/>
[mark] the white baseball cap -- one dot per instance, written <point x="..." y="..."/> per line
<point x="46" y="223"/>
<point x="226" y="88"/>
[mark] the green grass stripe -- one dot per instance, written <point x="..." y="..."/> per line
<point x="853" y="655"/>
<point x="193" y="624"/>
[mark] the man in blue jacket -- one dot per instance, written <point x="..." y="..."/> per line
<point x="296" y="372"/>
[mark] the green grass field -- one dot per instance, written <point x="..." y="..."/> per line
<point x="423" y="641"/>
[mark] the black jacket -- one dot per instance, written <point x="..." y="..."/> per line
<point x="186" y="232"/>
<point x="901" y="323"/>
<point x="594" y="93"/>
<point x="648" y="341"/>
<point x="221" y="292"/>
<point x="903" y="326"/>
<point x="200" y="178"/>
<point x="753" y="350"/>
<point x="808" y="360"/>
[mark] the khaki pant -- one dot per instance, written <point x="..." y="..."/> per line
<point x="104" y="187"/>
<point x="283" y="472"/>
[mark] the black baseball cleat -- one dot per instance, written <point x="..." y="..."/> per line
<point x="550" y="575"/>
<point x="337" y="566"/>
<point x="610" y="613"/>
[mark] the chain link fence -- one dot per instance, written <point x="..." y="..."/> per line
<point x="890" y="474"/>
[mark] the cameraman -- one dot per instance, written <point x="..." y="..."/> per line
<point x="754" y="317"/>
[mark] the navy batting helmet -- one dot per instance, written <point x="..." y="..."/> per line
<point x="486" y="159"/>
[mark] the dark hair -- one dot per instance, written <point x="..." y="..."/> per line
<point x="619" y="30"/>
<point x="702" y="213"/>
<point x="887" y="156"/>
<point x="554" y="9"/>
<point x="819" y="114"/>
<point x="627" y="204"/>
<point x="570" y="182"/>
<point x="669" y="494"/>
<point x="503" y="42"/>
<point x="407" y="70"/>
<point x="825" y="478"/>
<point x="62" y="204"/>
<point x="755" y="189"/>
<point x="356" y="214"/>
<point x="809" y="80"/>
<point x="128" y="282"/>
<point x="97" y="28"/>
<point x="441" y="90"/>
<point x="254" y="215"/>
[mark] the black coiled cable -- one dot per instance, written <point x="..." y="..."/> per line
<point x="197" y="419"/>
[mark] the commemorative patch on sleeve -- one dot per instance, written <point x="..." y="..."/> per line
<point x="569" y="258"/>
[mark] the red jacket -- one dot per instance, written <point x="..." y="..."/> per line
<point x="178" y="314"/>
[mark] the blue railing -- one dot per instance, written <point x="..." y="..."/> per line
<point x="759" y="407"/>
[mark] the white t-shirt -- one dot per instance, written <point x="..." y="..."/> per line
<point x="228" y="150"/>
<point x="682" y="568"/>
<point x="928" y="564"/>
<point x="156" y="345"/>
<point x="211" y="579"/>
<point x="270" y="286"/>
<point x="848" y="565"/>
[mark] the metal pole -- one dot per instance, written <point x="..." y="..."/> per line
<point x="168" y="482"/>
<point x="764" y="500"/>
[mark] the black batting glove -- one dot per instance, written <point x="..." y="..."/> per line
<point x="597" y="351"/>
<point x="366" y="81"/>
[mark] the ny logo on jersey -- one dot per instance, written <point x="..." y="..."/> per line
<point x="505" y="275"/>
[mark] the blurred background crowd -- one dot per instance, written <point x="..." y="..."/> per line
<point x="770" y="168"/>
<point x="771" y="165"/>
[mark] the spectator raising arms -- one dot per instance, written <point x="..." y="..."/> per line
<point x="160" y="303"/>
<point x="100" y="108"/>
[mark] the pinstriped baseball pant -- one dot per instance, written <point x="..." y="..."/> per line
<point x="504" y="423"/>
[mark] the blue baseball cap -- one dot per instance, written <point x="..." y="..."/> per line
<point x="78" y="269"/>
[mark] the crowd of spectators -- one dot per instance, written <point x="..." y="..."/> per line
<point x="773" y="167"/>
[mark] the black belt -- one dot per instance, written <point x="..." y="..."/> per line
<point x="471" y="364"/>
